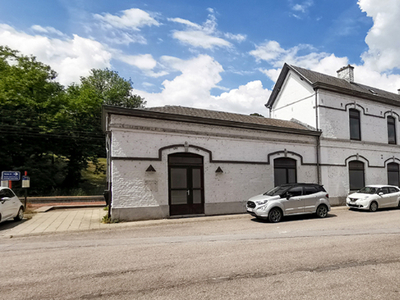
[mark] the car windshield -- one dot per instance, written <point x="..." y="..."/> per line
<point x="368" y="190"/>
<point x="278" y="190"/>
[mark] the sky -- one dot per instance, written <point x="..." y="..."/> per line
<point x="219" y="55"/>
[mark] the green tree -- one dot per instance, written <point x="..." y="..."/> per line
<point x="30" y="100"/>
<point x="85" y="102"/>
<point x="256" y="115"/>
<point x="112" y="89"/>
<point x="51" y="131"/>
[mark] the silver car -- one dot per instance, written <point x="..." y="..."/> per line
<point x="290" y="199"/>
<point x="10" y="206"/>
<point x="372" y="197"/>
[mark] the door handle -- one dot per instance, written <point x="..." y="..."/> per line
<point x="188" y="192"/>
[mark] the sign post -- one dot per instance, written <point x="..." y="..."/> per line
<point x="26" y="183"/>
<point x="10" y="176"/>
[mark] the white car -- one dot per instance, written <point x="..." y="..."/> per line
<point x="372" y="197"/>
<point x="290" y="199"/>
<point x="10" y="206"/>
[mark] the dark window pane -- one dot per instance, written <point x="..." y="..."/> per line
<point x="393" y="174"/>
<point x="296" y="191"/>
<point x="356" y="180"/>
<point x="178" y="197"/>
<point x="355" y="129"/>
<point x="196" y="178"/>
<point x="356" y="175"/>
<point x="196" y="196"/>
<point x="178" y="178"/>
<point x="291" y="176"/>
<point x="391" y="130"/>
<point x="356" y="165"/>
<point x="308" y="190"/>
<point x="185" y="159"/>
<point x="284" y="163"/>
<point x="280" y="176"/>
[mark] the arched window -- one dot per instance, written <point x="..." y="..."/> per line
<point x="393" y="174"/>
<point x="356" y="175"/>
<point x="391" y="125"/>
<point x="355" y="127"/>
<point x="284" y="171"/>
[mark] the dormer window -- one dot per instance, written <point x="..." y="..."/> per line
<point x="355" y="126"/>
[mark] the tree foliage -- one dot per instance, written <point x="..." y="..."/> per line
<point x="111" y="88"/>
<point x="49" y="130"/>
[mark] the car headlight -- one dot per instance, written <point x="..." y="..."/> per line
<point x="262" y="202"/>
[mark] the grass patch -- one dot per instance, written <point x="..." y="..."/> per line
<point x="107" y="220"/>
<point x="94" y="182"/>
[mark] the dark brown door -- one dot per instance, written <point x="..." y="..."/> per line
<point x="186" y="192"/>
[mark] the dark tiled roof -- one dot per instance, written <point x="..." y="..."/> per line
<point x="225" y="116"/>
<point x="319" y="80"/>
<point x="315" y="77"/>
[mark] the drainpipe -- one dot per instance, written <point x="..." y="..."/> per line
<point x="318" y="148"/>
<point x="108" y="169"/>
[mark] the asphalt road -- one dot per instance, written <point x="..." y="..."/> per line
<point x="349" y="255"/>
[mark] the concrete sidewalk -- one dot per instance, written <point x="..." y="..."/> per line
<point x="87" y="218"/>
<point x="56" y="220"/>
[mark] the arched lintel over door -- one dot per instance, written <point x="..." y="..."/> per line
<point x="185" y="183"/>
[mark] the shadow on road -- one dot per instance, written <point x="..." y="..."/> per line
<point x="295" y="218"/>
<point x="11" y="224"/>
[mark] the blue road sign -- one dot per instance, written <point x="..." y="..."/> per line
<point x="11" y="175"/>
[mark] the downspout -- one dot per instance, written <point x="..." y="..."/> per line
<point x="108" y="170"/>
<point x="318" y="148"/>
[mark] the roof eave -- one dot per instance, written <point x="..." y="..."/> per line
<point x="141" y="113"/>
<point x="320" y="85"/>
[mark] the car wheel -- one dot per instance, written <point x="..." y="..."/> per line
<point x="322" y="211"/>
<point x="275" y="215"/>
<point x="373" y="206"/>
<point x="20" y="214"/>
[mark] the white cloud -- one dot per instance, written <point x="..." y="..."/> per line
<point x="247" y="99"/>
<point x="236" y="37"/>
<point x="70" y="58"/>
<point x="48" y="30"/>
<point x="322" y="62"/>
<point x="192" y="88"/>
<point x="124" y="29"/>
<point x="274" y="54"/>
<point x="144" y="61"/>
<point x="200" y="39"/>
<point x="185" y="22"/>
<point x="204" y="36"/>
<point x="383" y="38"/>
<point x="132" y="19"/>
<point x="302" y="7"/>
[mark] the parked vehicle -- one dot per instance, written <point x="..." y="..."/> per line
<point x="290" y="199"/>
<point x="372" y="197"/>
<point x="10" y="205"/>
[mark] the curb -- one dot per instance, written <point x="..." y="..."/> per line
<point x="44" y="209"/>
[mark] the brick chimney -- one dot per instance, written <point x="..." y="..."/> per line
<point x="346" y="73"/>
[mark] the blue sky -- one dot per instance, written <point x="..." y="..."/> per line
<point x="221" y="55"/>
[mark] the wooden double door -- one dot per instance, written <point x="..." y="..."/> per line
<point x="186" y="184"/>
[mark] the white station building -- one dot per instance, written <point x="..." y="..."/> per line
<point x="178" y="161"/>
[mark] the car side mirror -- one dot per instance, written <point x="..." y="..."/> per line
<point x="288" y="195"/>
<point x="380" y="193"/>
